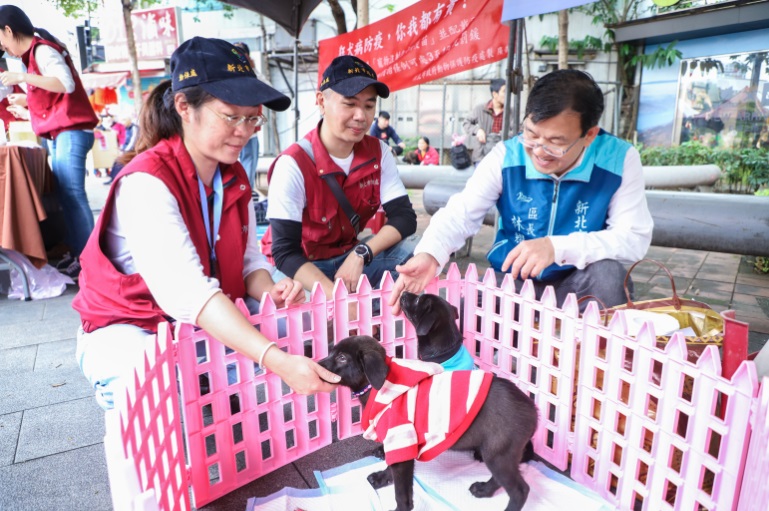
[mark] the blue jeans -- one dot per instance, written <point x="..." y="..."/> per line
<point x="249" y="157"/>
<point x="68" y="152"/>
<point x="384" y="261"/>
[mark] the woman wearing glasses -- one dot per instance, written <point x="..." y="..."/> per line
<point x="570" y="196"/>
<point x="177" y="236"/>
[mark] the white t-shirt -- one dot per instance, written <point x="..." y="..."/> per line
<point x="287" y="194"/>
<point x="51" y="63"/>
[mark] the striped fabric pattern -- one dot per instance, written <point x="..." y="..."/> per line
<point x="421" y="411"/>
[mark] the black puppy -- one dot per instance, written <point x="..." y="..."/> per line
<point x="505" y="422"/>
<point x="438" y="337"/>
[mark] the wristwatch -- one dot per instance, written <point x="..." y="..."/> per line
<point x="364" y="252"/>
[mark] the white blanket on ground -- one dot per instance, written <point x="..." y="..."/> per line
<point x="439" y="485"/>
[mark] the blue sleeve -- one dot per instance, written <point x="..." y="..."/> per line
<point x="393" y="135"/>
<point x="372" y="131"/>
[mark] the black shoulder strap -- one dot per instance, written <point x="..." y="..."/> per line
<point x="333" y="184"/>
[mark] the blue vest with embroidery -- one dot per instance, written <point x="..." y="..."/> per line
<point x="533" y="205"/>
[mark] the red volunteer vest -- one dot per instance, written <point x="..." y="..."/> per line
<point x="326" y="230"/>
<point x="109" y="297"/>
<point x="53" y="112"/>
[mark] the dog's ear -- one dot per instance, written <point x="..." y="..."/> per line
<point x="374" y="367"/>
<point x="455" y="310"/>
<point x="426" y="323"/>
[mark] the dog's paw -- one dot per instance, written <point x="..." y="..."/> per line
<point x="483" y="490"/>
<point x="380" y="479"/>
<point x="378" y="452"/>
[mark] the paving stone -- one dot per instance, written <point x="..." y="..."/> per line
<point x="17" y="311"/>
<point x="56" y="354"/>
<point x="34" y="332"/>
<point x="75" y="479"/>
<point x="9" y="436"/>
<point x="60" y="428"/>
<point x="16" y="360"/>
<point x="753" y="279"/>
<point x="40" y="388"/>
<point x="752" y="290"/>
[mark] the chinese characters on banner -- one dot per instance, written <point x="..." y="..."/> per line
<point x="424" y="42"/>
<point x="155" y="32"/>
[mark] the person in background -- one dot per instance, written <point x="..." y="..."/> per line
<point x="382" y="130"/>
<point x="249" y="156"/>
<point x="425" y="153"/>
<point x="484" y="124"/>
<point x="176" y="239"/>
<point x="571" y="201"/>
<point x="60" y="112"/>
<point x="126" y="149"/>
<point x="311" y="237"/>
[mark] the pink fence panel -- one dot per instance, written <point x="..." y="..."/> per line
<point x="144" y="441"/>
<point x="652" y="428"/>
<point x="755" y="488"/>
<point x="534" y="344"/>
<point x="242" y="422"/>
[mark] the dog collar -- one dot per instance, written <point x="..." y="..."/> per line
<point x="362" y="391"/>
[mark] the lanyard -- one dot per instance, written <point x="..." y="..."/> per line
<point x="218" y="194"/>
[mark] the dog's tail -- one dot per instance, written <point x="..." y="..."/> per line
<point x="528" y="453"/>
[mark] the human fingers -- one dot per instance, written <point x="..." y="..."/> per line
<point x="395" y="294"/>
<point x="293" y="292"/>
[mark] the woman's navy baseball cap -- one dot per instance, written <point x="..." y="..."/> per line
<point x="348" y="75"/>
<point x="223" y="71"/>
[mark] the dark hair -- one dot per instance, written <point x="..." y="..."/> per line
<point x="20" y="24"/>
<point x="566" y="89"/>
<point x="427" y="140"/>
<point x="496" y="84"/>
<point x="384" y="115"/>
<point x="159" y="119"/>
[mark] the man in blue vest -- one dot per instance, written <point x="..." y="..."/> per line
<point x="570" y="196"/>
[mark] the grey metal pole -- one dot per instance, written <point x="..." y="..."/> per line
<point x="296" y="88"/>
<point x="514" y="78"/>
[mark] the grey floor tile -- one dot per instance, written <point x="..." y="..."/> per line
<point x="56" y="354"/>
<point x="9" y="436"/>
<point x="16" y="360"/>
<point x="34" y="332"/>
<point x="41" y="388"/>
<point x="74" y="480"/>
<point x="60" y="428"/>
<point x="752" y="290"/>
<point x="753" y="280"/>
<point x="17" y="311"/>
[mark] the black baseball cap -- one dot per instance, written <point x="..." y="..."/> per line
<point x="348" y="75"/>
<point x="223" y="71"/>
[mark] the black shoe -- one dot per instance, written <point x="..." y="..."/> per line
<point x="73" y="270"/>
<point x="65" y="262"/>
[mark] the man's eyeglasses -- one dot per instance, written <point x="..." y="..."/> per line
<point x="554" y="151"/>
<point x="236" y="120"/>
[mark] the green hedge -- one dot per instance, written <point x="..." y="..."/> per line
<point x="743" y="170"/>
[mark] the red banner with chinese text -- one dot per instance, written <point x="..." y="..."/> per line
<point x="424" y="42"/>
<point x="156" y="34"/>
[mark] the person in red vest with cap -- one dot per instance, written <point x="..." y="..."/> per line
<point x="60" y="112"/>
<point x="326" y="187"/>
<point x="176" y="239"/>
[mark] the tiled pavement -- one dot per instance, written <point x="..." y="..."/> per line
<point x="51" y="430"/>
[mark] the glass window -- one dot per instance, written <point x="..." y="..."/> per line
<point x="723" y="101"/>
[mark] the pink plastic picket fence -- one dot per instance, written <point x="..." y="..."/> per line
<point x="648" y="430"/>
